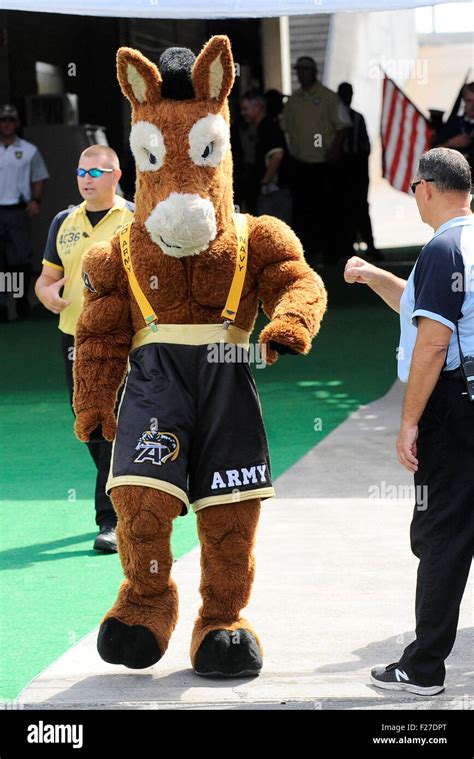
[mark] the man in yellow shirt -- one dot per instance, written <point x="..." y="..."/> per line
<point x="71" y="234"/>
<point x="315" y="120"/>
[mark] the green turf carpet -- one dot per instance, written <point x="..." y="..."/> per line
<point x="53" y="587"/>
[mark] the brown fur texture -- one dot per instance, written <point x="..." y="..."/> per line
<point x="148" y="596"/>
<point x="192" y="290"/>
<point x="227" y="537"/>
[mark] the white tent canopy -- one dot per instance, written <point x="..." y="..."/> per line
<point x="188" y="9"/>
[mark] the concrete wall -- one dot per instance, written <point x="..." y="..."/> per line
<point x="448" y="58"/>
<point x="276" y="60"/>
<point x="272" y="54"/>
<point x="357" y="42"/>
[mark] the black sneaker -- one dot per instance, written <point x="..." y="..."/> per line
<point x="106" y="540"/>
<point x="394" y="677"/>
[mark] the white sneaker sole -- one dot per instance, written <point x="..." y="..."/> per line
<point x="419" y="690"/>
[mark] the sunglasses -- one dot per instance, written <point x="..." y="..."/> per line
<point x="93" y="172"/>
<point x="414" y="184"/>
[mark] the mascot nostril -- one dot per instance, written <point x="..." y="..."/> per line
<point x="181" y="282"/>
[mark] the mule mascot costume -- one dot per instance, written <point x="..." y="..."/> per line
<point x="186" y="276"/>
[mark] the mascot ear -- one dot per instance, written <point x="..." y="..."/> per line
<point x="213" y="71"/>
<point x="139" y="78"/>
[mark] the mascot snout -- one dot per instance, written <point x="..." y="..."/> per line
<point x="182" y="225"/>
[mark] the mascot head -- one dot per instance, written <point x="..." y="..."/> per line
<point x="180" y="140"/>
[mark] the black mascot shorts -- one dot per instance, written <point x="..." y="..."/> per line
<point x="190" y="424"/>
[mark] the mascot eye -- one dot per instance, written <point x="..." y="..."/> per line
<point x="209" y="140"/>
<point x="208" y="150"/>
<point x="148" y="146"/>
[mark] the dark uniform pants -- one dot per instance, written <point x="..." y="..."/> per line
<point x="99" y="449"/>
<point x="316" y="207"/>
<point x="355" y="184"/>
<point x="15" y="253"/>
<point x="442" y="533"/>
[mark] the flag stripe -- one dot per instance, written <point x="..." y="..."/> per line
<point x="388" y="106"/>
<point x="400" y="140"/>
<point x="416" y="130"/>
<point x="409" y="125"/>
<point x="393" y="135"/>
<point x="405" y="135"/>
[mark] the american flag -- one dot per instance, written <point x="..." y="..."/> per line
<point x="405" y="136"/>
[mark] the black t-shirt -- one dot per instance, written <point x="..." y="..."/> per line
<point x="270" y="135"/>
<point x="95" y="216"/>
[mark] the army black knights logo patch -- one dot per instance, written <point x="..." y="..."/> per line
<point x="157" y="447"/>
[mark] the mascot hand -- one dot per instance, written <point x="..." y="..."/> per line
<point x="88" y="421"/>
<point x="284" y="335"/>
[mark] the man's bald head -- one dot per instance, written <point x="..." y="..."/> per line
<point x="107" y="155"/>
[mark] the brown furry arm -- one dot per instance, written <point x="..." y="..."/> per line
<point x="292" y="294"/>
<point x="103" y="338"/>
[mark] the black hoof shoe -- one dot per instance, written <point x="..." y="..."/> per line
<point x="228" y="653"/>
<point x="133" y="646"/>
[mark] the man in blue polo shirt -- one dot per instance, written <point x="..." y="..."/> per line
<point x="436" y="440"/>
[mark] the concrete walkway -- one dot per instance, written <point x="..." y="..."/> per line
<point x="334" y="595"/>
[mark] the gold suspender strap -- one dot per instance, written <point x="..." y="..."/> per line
<point x="233" y="299"/>
<point x="149" y="315"/>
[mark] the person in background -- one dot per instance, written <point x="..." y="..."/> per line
<point x="243" y="137"/>
<point x="22" y="178"/>
<point x="314" y="120"/>
<point x="355" y="171"/>
<point x="72" y="232"/>
<point x="458" y="132"/>
<point x="270" y="177"/>
<point x="274" y="104"/>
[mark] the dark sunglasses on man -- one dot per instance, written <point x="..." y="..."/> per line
<point x="93" y="172"/>
<point x="418" y="181"/>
